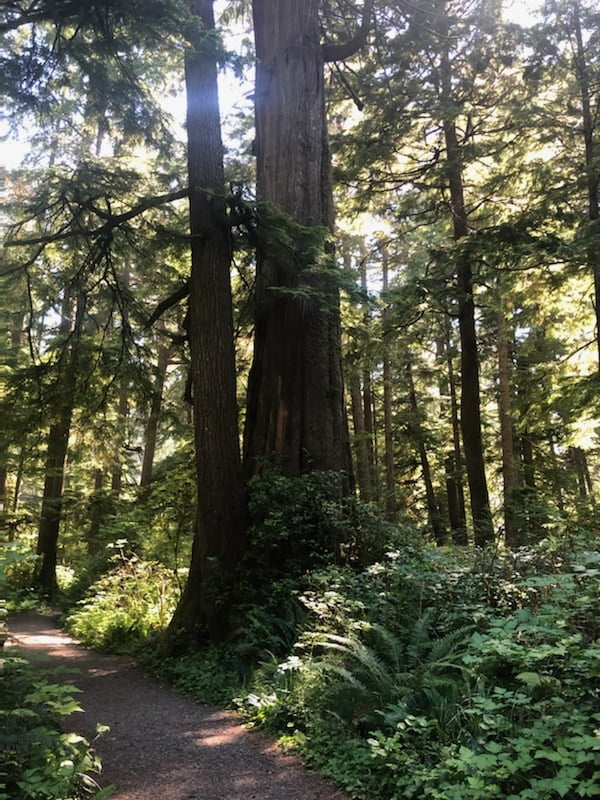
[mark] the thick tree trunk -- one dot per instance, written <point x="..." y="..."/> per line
<point x="221" y="521"/>
<point x="295" y="408"/>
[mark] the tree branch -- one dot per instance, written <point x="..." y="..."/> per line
<point x="169" y="302"/>
<point x="340" y="52"/>
<point x="112" y="221"/>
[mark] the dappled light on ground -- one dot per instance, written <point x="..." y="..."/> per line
<point x="160" y="745"/>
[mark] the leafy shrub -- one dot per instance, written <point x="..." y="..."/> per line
<point x="447" y="675"/>
<point x="38" y="761"/>
<point x="125" y="606"/>
<point x="304" y="523"/>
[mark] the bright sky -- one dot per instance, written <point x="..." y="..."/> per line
<point x="12" y="152"/>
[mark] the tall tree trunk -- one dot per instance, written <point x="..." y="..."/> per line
<point x="433" y="509"/>
<point x="592" y="167"/>
<point x="470" y="394"/>
<point x="295" y="408"/>
<point x="122" y="408"/>
<point x="367" y="392"/>
<point x="57" y="445"/>
<point x="388" y="417"/>
<point x="507" y="436"/>
<point x="151" y="431"/>
<point x="221" y="521"/>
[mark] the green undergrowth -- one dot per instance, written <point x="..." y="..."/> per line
<point x="38" y="760"/>
<point x="126" y="607"/>
<point x="451" y="674"/>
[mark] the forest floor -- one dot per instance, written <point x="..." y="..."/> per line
<point x="160" y="744"/>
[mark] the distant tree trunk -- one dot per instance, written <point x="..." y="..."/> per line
<point x="470" y="394"/>
<point x="556" y="473"/>
<point x="295" y="408"/>
<point x="116" y="482"/>
<point x="122" y="408"/>
<point x="151" y="431"/>
<point x="19" y="474"/>
<point x="361" y="443"/>
<point x="221" y="521"/>
<point x="57" y="447"/>
<point x="95" y="512"/>
<point x="509" y="469"/>
<point x="3" y="482"/>
<point x="453" y="462"/>
<point x="592" y="167"/>
<point x="388" y="417"/>
<point x="433" y="509"/>
<point x="367" y="394"/>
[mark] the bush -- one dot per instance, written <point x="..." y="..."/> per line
<point x="133" y="601"/>
<point x="458" y="675"/>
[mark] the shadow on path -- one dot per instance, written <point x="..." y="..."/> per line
<point x="161" y="744"/>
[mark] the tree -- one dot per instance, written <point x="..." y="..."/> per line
<point x="221" y="516"/>
<point x="295" y="408"/>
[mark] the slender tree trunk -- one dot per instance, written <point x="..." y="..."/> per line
<point x="592" y="168"/>
<point x="361" y="444"/>
<point x="433" y="509"/>
<point x="96" y="507"/>
<point x="116" y="481"/>
<point x="295" y="408"/>
<point x="453" y="462"/>
<point x="122" y="411"/>
<point x="19" y="475"/>
<point x="151" y="432"/>
<point x="3" y="482"/>
<point x="367" y="394"/>
<point x="509" y="469"/>
<point x="388" y="416"/>
<point x="470" y="394"/>
<point x="221" y="521"/>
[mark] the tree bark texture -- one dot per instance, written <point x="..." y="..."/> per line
<point x="295" y="408"/>
<point x="221" y="517"/>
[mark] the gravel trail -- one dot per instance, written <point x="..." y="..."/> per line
<point x="162" y="745"/>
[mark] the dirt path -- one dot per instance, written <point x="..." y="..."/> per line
<point x="161" y="744"/>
